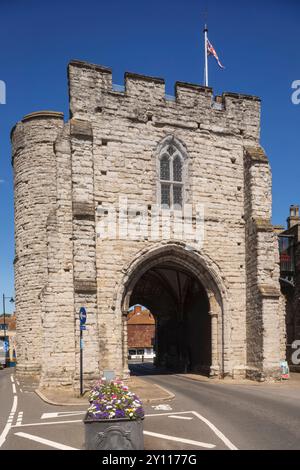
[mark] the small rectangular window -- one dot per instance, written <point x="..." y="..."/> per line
<point x="132" y="352"/>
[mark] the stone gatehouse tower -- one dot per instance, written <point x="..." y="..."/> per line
<point x="217" y="302"/>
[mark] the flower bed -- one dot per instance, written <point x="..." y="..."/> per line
<point x="113" y="400"/>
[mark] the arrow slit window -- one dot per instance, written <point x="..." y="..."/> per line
<point x="171" y="167"/>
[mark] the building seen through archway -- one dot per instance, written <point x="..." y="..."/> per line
<point x="180" y="306"/>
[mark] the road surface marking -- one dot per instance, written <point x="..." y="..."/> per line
<point x="9" y="421"/>
<point x="19" y="418"/>
<point x="62" y="414"/>
<point x="168" y="414"/>
<point x="15" y="404"/>
<point x="12" y="378"/>
<point x="179" y="439"/>
<point x="41" y="440"/>
<point x="47" y="424"/>
<point x="180" y="417"/>
<point x="220" y="435"/>
<point x="161" y="407"/>
<point x="14" y="389"/>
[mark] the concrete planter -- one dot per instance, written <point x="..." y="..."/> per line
<point x="113" y="434"/>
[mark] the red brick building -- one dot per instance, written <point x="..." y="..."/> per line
<point x="141" y="333"/>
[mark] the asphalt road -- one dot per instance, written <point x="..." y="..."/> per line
<point x="203" y="416"/>
<point x="263" y="417"/>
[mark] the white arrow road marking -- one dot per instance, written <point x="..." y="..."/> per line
<point x="180" y="417"/>
<point x="41" y="440"/>
<point x="180" y="439"/>
<point x="62" y="414"/>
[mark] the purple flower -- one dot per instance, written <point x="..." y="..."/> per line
<point x="140" y="412"/>
<point x="113" y="400"/>
<point x="120" y="414"/>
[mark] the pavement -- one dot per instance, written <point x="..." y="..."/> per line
<point x="148" y="393"/>
<point x="202" y="415"/>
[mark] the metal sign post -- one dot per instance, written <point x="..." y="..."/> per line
<point x="82" y="318"/>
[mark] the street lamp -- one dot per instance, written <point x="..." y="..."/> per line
<point x="11" y="299"/>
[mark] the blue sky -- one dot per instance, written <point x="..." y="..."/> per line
<point x="258" y="42"/>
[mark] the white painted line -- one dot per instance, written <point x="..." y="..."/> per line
<point x="220" y="435"/>
<point x="19" y="418"/>
<point x="179" y="439"/>
<point x="14" y="388"/>
<point x="168" y="414"/>
<point x="8" y="424"/>
<point x="48" y="424"/>
<point x="41" y="440"/>
<point x="12" y="378"/>
<point x="62" y="414"/>
<point x="180" y="417"/>
<point x="18" y="383"/>
<point x="15" y="404"/>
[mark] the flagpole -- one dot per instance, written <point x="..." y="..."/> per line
<point x="206" y="63"/>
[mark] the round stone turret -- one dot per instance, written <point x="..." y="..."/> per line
<point x="34" y="167"/>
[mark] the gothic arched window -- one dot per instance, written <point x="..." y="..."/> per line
<point x="171" y="177"/>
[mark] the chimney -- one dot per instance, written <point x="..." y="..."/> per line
<point x="294" y="218"/>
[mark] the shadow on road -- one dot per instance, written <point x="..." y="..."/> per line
<point x="148" y="368"/>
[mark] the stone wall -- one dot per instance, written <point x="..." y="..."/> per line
<point x="265" y="312"/>
<point x="108" y="150"/>
<point x="35" y="197"/>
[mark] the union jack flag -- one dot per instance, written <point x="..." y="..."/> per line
<point x="211" y="50"/>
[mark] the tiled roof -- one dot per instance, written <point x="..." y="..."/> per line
<point x="143" y="318"/>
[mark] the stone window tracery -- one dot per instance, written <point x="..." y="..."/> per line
<point x="171" y="168"/>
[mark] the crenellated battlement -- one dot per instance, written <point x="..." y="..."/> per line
<point x="135" y="83"/>
<point x="91" y="91"/>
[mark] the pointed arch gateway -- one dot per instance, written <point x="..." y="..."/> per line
<point x="188" y="301"/>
